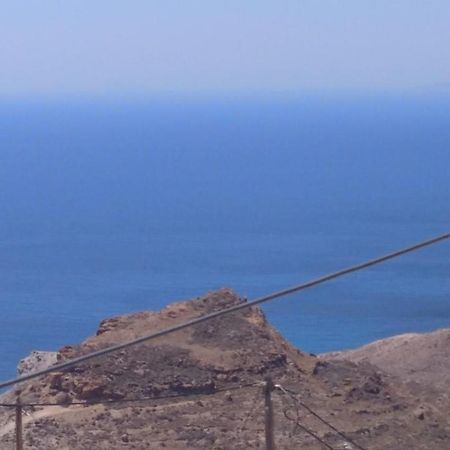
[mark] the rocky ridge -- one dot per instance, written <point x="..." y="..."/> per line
<point x="214" y="372"/>
<point x="417" y="357"/>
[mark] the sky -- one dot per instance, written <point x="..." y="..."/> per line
<point x="110" y="47"/>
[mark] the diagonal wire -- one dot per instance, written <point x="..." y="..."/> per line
<point x="325" y="422"/>
<point x="305" y="429"/>
<point x="311" y="433"/>
<point x="238" y="307"/>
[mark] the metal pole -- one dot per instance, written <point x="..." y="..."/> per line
<point x="268" y="409"/>
<point x="19" y="436"/>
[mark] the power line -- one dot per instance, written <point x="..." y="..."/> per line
<point x="340" y="433"/>
<point x="314" y="435"/>
<point x="306" y="430"/>
<point x="197" y="320"/>
<point x="128" y="400"/>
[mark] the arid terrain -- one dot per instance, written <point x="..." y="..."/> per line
<point x="424" y="358"/>
<point x="201" y="388"/>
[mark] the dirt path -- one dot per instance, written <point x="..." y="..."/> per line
<point x="49" y="411"/>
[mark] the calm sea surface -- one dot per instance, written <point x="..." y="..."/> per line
<point x="113" y="207"/>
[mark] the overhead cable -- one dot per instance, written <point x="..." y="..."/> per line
<point x="293" y="394"/>
<point x="128" y="400"/>
<point x="300" y="287"/>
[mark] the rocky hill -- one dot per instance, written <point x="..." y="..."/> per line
<point x="419" y="357"/>
<point x="201" y="388"/>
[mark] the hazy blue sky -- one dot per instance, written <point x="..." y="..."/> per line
<point x="144" y="46"/>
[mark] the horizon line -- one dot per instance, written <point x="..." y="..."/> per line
<point x="441" y="92"/>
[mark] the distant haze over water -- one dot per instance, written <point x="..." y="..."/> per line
<point x="112" y="207"/>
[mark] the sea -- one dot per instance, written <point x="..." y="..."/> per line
<point x="110" y="206"/>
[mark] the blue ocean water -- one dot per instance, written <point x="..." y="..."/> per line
<point x="108" y="207"/>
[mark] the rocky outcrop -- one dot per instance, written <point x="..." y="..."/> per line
<point x="36" y="360"/>
<point x="201" y="388"/>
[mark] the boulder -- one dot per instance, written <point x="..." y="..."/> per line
<point x="35" y="361"/>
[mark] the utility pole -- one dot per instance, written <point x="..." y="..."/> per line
<point x="19" y="436"/>
<point x="268" y="410"/>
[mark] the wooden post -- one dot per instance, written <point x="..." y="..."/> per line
<point x="19" y="436"/>
<point x="268" y="409"/>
